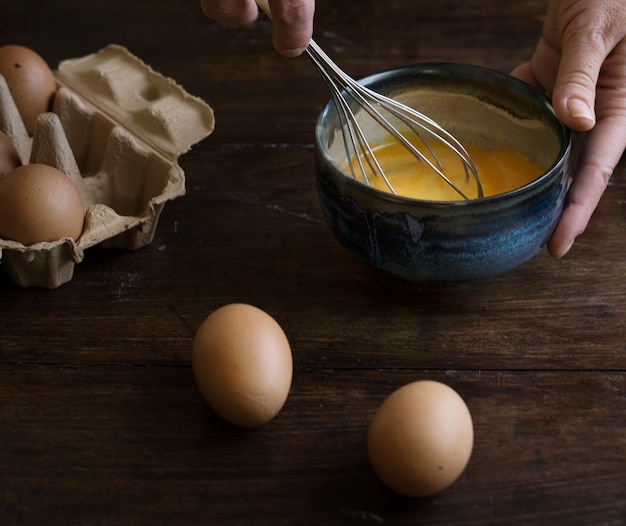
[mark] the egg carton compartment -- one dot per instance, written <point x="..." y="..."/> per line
<point x="117" y="129"/>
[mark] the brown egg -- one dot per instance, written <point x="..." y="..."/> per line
<point x="30" y="81"/>
<point x="39" y="203"/>
<point x="421" y="438"/>
<point x="9" y="158"/>
<point x="242" y="364"/>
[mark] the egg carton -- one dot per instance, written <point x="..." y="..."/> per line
<point x="116" y="130"/>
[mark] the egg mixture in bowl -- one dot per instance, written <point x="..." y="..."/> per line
<point x="499" y="170"/>
<point x="427" y="232"/>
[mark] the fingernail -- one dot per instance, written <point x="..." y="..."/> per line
<point x="579" y="109"/>
<point x="292" y="52"/>
<point x="564" y="250"/>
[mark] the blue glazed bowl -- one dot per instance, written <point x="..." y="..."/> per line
<point x="435" y="241"/>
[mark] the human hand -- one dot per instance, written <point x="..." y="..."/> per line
<point x="292" y="20"/>
<point x="581" y="61"/>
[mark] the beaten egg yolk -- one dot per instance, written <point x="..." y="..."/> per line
<point x="499" y="169"/>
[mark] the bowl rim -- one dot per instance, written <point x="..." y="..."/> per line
<point x="459" y="70"/>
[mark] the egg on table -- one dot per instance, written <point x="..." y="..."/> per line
<point x="30" y="81"/>
<point x="242" y="364"/>
<point x="39" y="203"/>
<point x="420" y="439"/>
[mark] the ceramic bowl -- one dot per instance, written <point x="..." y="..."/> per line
<point x="435" y="241"/>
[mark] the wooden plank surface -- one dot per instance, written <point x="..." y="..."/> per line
<point x="100" y="419"/>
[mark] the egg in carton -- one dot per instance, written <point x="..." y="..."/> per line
<point x="116" y="130"/>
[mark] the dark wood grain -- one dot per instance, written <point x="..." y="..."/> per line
<point x="100" y="419"/>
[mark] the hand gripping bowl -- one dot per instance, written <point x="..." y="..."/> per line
<point x="450" y="241"/>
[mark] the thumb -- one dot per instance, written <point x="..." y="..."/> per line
<point x="574" y="91"/>
<point x="574" y="100"/>
<point x="293" y="25"/>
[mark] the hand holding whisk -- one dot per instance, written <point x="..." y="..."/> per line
<point x="397" y="119"/>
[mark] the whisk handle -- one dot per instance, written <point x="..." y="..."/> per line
<point x="265" y="7"/>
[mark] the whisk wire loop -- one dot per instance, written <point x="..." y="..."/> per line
<point x="355" y="141"/>
<point x="356" y="145"/>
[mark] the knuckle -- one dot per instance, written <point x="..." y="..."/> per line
<point x="293" y="11"/>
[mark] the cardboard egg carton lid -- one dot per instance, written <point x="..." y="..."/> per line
<point x="116" y="130"/>
<point x="147" y="104"/>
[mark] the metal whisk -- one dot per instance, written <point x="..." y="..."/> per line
<point x="344" y="88"/>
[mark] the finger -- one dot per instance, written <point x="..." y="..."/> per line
<point x="541" y="70"/>
<point x="525" y="73"/>
<point x="601" y="151"/>
<point x="231" y="12"/>
<point x="293" y="25"/>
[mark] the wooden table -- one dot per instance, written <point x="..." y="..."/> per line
<point x="100" y="419"/>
